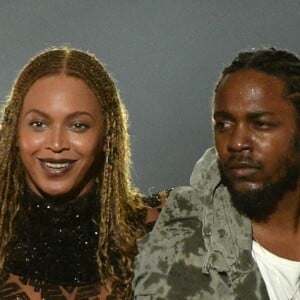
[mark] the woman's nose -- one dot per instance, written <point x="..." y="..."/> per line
<point x="57" y="139"/>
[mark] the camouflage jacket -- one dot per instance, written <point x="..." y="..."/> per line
<point x="200" y="248"/>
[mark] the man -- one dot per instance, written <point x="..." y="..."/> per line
<point x="235" y="233"/>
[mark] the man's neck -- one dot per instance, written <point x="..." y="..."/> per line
<point x="280" y="233"/>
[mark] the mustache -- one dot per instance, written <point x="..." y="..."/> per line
<point x="237" y="162"/>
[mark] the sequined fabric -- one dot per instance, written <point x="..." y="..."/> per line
<point x="55" y="243"/>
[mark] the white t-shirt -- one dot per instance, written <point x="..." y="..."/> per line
<point x="281" y="275"/>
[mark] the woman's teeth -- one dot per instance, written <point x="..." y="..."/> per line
<point x="57" y="165"/>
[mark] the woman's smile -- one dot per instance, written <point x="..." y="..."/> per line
<point x="60" y="135"/>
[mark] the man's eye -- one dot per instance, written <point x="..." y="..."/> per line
<point x="222" y="125"/>
<point x="264" y="125"/>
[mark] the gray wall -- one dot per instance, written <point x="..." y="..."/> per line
<point x="166" y="56"/>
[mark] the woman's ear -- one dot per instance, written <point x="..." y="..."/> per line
<point x="17" y="141"/>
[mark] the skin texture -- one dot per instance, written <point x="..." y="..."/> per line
<point x="60" y="123"/>
<point x="255" y="129"/>
<point x="15" y="289"/>
<point x="256" y="137"/>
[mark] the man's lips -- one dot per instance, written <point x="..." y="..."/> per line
<point x="242" y="171"/>
<point x="241" y="168"/>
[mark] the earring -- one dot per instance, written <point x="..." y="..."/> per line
<point x="107" y="149"/>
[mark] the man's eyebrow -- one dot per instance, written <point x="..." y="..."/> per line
<point x="222" y="114"/>
<point x="251" y="115"/>
<point x="258" y="114"/>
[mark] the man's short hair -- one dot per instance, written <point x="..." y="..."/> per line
<point x="275" y="62"/>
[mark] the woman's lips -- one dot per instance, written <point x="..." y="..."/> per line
<point x="56" y="168"/>
<point x="57" y="165"/>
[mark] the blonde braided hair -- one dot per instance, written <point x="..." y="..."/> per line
<point x="120" y="205"/>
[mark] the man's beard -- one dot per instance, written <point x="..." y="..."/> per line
<point x="258" y="204"/>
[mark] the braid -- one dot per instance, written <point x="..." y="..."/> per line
<point x="279" y="63"/>
<point x="120" y="204"/>
<point x="270" y="61"/>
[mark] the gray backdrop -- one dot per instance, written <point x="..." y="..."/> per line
<point x="166" y="56"/>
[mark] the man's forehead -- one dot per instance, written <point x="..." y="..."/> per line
<point x="250" y="91"/>
<point x="251" y="82"/>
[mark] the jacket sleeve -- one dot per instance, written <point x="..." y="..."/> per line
<point x="161" y="250"/>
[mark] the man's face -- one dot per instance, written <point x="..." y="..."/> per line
<point x="255" y="132"/>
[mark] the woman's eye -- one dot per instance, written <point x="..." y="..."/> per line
<point x="37" y="124"/>
<point x="79" y="126"/>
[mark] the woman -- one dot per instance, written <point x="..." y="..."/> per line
<point x="69" y="216"/>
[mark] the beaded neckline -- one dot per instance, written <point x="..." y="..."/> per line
<point x="55" y="243"/>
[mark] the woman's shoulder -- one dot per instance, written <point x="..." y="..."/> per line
<point x="16" y="288"/>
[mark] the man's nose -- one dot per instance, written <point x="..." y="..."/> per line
<point x="240" y="139"/>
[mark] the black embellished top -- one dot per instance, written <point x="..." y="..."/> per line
<point x="54" y="247"/>
<point x="52" y="254"/>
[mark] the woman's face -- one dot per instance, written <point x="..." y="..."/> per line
<point x="60" y="135"/>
